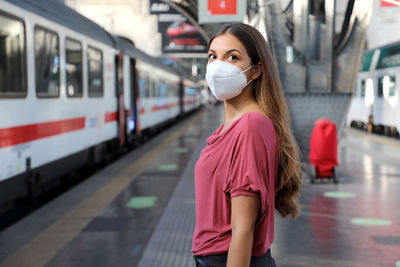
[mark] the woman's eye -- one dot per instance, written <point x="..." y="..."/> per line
<point x="211" y="56"/>
<point x="232" y="57"/>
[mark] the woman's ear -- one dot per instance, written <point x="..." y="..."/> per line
<point x="256" y="71"/>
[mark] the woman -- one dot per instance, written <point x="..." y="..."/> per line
<point x="249" y="165"/>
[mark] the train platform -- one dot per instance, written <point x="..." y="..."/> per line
<point x="140" y="210"/>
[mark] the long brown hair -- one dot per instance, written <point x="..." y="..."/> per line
<point x="268" y="92"/>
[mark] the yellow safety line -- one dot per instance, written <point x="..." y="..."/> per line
<point x="373" y="137"/>
<point x="41" y="249"/>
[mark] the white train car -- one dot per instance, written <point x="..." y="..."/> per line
<point x="191" y="95"/>
<point x="71" y="95"/>
<point x="151" y="90"/>
<point x="376" y="105"/>
<point x="57" y="92"/>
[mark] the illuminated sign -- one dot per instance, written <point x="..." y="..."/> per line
<point x="222" y="7"/>
<point x="212" y="11"/>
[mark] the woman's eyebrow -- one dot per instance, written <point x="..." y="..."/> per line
<point x="231" y="50"/>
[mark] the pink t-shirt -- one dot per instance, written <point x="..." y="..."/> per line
<point x="241" y="161"/>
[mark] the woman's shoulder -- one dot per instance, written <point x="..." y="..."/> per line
<point x="256" y="120"/>
<point x="256" y="124"/>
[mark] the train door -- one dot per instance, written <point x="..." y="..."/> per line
<point x="379" y="102"/>
<point x="369" y="102"/>
<point x="133" y="96"/>
<point x="119" y="86"/>
<point x="181" y="96"/>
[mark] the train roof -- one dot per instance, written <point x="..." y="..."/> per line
<point x="388" y="57"/>
<point x="60" y="13"/>
<point x="129" y="48"/>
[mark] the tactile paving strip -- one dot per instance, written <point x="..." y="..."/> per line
<point x="171" y="242"/>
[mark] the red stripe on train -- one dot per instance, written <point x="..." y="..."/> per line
<point x="26" y="133"/>
<point x="166" y="106"/>
<point x="113" y="116"/>
<point x="110" y="116"/>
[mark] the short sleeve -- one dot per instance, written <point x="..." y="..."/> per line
<point x="248" y="169"/>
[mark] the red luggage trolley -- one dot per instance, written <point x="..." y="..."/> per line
<point x="323" y="150"/>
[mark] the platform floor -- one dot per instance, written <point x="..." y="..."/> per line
<point x="140" y="210"/>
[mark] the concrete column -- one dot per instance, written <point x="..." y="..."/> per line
<point x="329" y="35"/>
<point x="300" y="21"/>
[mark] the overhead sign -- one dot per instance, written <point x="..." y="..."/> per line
<point x="178" y="34"/>
<point x="158" y="7"/>
<point x="223" y="7"/>
<point x="212" y="11"/>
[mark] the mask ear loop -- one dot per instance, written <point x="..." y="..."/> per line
<point x="247" y="70"/>
<point x="249" y="82"/>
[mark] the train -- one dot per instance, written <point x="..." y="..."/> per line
<point x="72" y="95"/>
<point x="375" y="106"/>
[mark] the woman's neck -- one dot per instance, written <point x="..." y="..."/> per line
<point x="237" y="106"/>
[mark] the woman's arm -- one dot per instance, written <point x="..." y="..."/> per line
<point x="243" y="219"/>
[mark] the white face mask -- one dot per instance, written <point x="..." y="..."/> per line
<point x="225" y="80"/>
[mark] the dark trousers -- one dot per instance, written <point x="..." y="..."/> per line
<point x="220" y="260"/>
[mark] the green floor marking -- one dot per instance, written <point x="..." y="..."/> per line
<point x="190" y="139"/>
<point x="141" y="202"/>
<point x="167" y="167"/>
<point x="339" y="194"/>
<point x="181" y="150"/>
<point x="397" y="263"/>
<point x="370" y="222"/>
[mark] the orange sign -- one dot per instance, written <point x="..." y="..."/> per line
<point x="222" y="7"/>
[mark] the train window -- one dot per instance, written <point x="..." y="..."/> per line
<point x="388" y="84"/>
<point x="392" y="86"/>
<point x="95" y="64"/>
<point x="147" y="86"/>
<point x="74" y="67"/>
<point x="362" y="89"/>
<point x="163" y="89"/>
<point x="13" y="81"/>
<point x="170" y="90"/>
<point x="150" y="92"/>
<point x="141" y="84"/>
<point x="380" y="87"/>
<point x="173" y="90"/>
<point x="47" y="63"/>
<point x="157" y="89"/>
